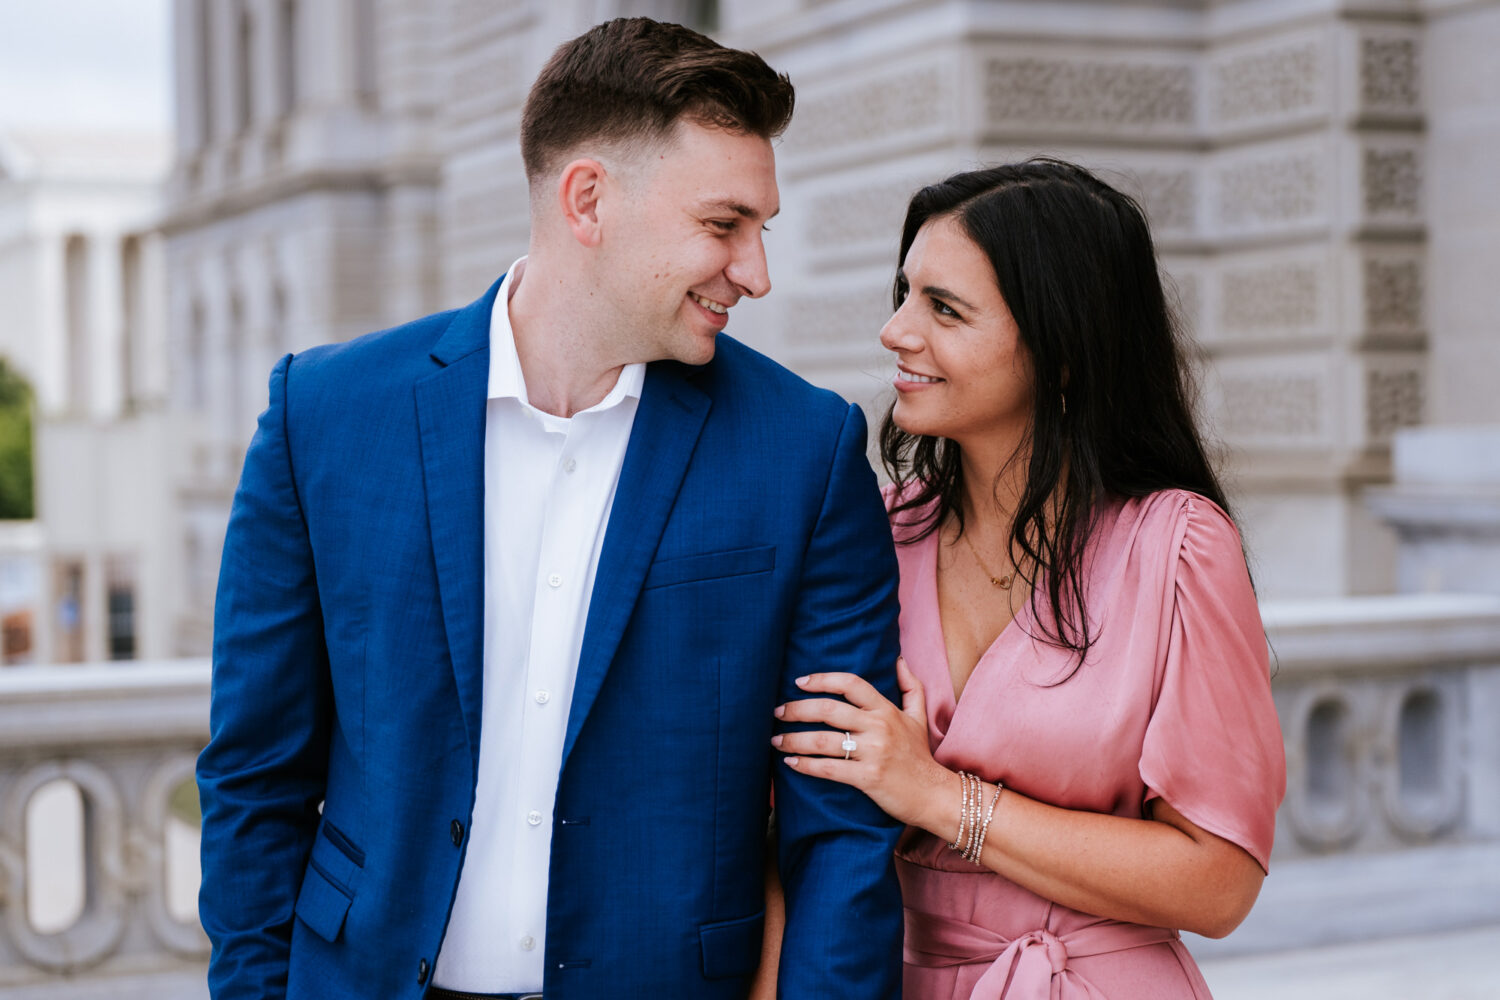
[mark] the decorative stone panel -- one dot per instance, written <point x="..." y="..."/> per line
<point x="1393" y="398"/>
<point x="1390" y="72"/>
<point x="870" y="214"/>
<point x="1268" y="83"/>
<point x="1269" y="299"/>
<point x="901" y="103"/>
<point x="1095" y="94"/>
<point x="1394" y="289"/>
<point x="1391" y="182"/>
<point x="1266" y="192"/>
<point x="1273" y="405"/>
<point x="1170" y="198"/>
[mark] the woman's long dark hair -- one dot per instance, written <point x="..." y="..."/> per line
<point x="1113" y="408"/>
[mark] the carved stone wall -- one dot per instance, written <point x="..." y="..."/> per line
<point x="1098" y="94"/>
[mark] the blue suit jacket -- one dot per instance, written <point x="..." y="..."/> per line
<point x="747" y="546"/>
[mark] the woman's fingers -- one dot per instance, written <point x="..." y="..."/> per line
<point x="837" y="714"/>
<point x="855" y="689"/>
<point x="823" y="767"/>
<point x="913" y="701"/>
<point x="821" y="744"/>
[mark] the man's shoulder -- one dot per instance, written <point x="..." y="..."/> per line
<point x="739" y="370"/>
<point x="390" y="351"/>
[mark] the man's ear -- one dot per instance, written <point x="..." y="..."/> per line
<point x="579" y="188"/>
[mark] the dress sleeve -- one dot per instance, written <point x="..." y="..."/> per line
<point x="1213" y="747"/>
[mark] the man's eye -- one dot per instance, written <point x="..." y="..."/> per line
<point x="723" y="225"/>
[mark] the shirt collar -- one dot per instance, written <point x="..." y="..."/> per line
<point x="506" y="379"/>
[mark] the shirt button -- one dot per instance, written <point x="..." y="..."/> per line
<point x="534" y="818"/>
<point x="570" y="465"/>
<point x="542" y="697"/>
<point x="555" y="580"/>
<point x="422" y="969"/>
<point x="456" y="829"/>
<point x="528" y="942"/>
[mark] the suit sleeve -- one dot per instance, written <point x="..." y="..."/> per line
<point x="262" y="775"/>
<point x="844" y="923"/>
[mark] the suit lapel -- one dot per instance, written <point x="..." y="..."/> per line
<point x="667" y="424"/>
<point x="450" y="419"/>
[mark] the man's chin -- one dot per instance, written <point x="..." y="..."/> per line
<point x="700" y="351"/>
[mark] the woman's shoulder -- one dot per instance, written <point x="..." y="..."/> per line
<point x="1170" y="529"/>
<point x="1173" y="511"/>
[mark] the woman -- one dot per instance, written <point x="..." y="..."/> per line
<point x="1087" y="755"/>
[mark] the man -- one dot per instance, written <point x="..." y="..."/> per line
<point x="509" y="594"/>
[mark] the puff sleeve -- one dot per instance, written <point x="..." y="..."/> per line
<point x="1213" y="747"/>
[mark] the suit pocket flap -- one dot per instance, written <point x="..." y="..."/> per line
<point x="732" y="947"/>
<point x="711" y="566"/>
<point x="321" y="905"/>
<point x="336" y="857"/>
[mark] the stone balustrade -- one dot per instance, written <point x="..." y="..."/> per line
<point x="1391" y="823"/>
<point x="125" y="737"/>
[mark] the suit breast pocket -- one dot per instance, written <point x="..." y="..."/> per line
<point x="706" y="566"/>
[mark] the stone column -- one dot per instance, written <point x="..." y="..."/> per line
<point x="51" y="333"/>
<point x="106" y="324"/>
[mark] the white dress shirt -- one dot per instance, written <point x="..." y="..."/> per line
<point x="549" y="483"/>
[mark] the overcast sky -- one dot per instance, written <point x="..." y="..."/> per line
<point x="85" y="63"/>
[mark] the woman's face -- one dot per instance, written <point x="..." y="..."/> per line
<point x="961" y="370"/>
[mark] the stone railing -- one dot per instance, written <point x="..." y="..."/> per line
<point x="97" y="864"/>
<point x="1391" y="823"/>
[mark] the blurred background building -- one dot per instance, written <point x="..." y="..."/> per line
<point x="1320" y="178"/>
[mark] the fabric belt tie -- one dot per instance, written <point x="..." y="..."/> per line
<point x="1022" y="968"/>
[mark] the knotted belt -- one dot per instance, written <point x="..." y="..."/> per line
<point x="1021" y="968"/>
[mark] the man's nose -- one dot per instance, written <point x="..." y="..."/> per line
<point x="748" y="268"/>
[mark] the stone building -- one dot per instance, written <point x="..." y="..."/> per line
<point x="1319" y="178"/>
<point x="81" y="278"/>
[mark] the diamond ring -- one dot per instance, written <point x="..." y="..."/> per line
<point x="848" y="746"/>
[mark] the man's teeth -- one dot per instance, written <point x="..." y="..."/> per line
<point x="709" y="304"/>
<point x="913" y="377"/>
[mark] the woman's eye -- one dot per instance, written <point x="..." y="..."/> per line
<point x="943" y="308"/>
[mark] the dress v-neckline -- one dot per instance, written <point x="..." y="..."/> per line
<point x="951" y="698"/>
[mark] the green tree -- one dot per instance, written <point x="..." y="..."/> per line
<point x="15" y="445"/>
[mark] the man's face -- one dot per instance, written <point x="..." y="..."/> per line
<point x="685" y="243"/>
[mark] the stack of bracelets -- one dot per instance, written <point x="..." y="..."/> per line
<point x="969" y="821"/>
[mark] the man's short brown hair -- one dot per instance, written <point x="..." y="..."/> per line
<point x="633" y="79"/>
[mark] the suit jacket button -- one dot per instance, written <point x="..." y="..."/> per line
<point x="422" y="969"/>
<point x="457" y="830"/>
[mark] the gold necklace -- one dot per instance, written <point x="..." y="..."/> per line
<point x="1003" y="582"/>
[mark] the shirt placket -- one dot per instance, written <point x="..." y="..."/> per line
<point x="561" y="568"/>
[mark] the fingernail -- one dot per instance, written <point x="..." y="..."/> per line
<point x="776" y="741"/>
<point x="791" y="761"/>
<point x="802" y="682"/>
<point x="779" y="711"/>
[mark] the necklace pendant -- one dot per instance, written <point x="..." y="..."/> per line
<point x="1003" y="583"/>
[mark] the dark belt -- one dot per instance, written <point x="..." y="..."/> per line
<point x="438" y="993"/>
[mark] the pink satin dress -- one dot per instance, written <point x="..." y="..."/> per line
<point x="1174" y="700"/>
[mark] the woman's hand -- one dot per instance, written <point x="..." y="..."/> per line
<point x="892" y="762"/>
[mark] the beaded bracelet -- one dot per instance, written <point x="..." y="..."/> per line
<point x="963" y="810"/>
<point x="973" y="817"/>
<point x="975" y="856"/>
